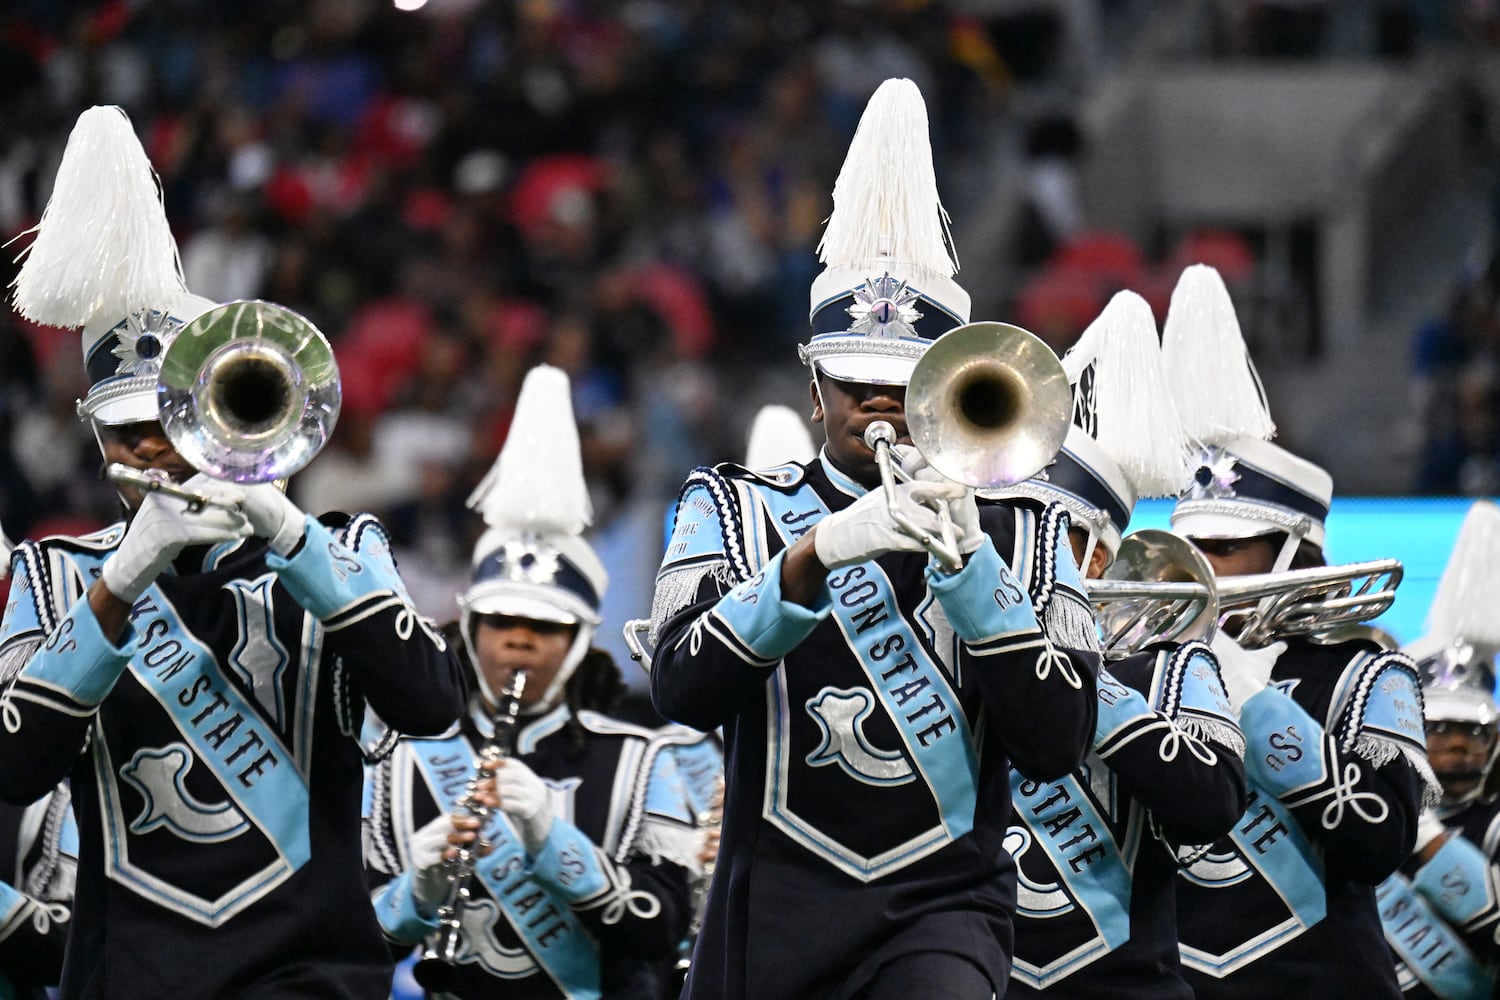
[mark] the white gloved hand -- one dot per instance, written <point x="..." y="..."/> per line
<point x="273" y="516"/>
<point x="1246" y="672"/>
<point x="429" y="872"/>
<point x="865" y="529"/>
<point x="1429" y="829"/>
<point x="162" y="527"/>
<point x="962" y="507"/>
<point x="526" y="800"/>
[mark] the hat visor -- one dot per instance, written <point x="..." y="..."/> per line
<point x="515" y="603"/>
<point x="131" y="408"/>
<point x="869" y="370"/>
<point x="1447" y="706"/>
<point x="1219" y="526"/>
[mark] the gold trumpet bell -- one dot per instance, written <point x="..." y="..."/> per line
<point x="988" y="405"/>
<point x="249" y="392"/>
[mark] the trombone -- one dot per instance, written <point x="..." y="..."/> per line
<point x="1307" y="601"/>
<point x="1158" y="589"/>
<point x="988" y="405"/>
<point x="247" y="392"/>
<point x="1161" y="589"/>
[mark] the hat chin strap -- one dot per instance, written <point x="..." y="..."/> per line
<point x="1289" y="546"/>
<point x="554" y="692"/>
<point x="1088" y="551"/>
<point x="556" y="689"/>
<point x="99" y="440"/>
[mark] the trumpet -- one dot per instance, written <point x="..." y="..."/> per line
<point x="158" y="481"/>
<point x="988" y="405"/>
<point x="434" y="971"/>
<point x="247" y="392"/>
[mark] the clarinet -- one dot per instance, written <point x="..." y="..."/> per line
<point x="709" y="820"/>
<point x="435" y="970"/>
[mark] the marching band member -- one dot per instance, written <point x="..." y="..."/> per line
<point x="869" y="700"/>
<point x="36" y="886"/>
<point x="1441" y="910"/>
<point x="1165" y="770"/>
<point x="590" y="832"/>
<point x="1284" y="906"/>
<point x="199" y="687"/>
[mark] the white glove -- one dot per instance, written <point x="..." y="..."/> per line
<point x="162" y="527"/>
<point x="429" y="872"/>
<point x="273" y="516"/>
<point x="959" y="498"/>
<point x="1429" y="828"/>
<point x="865" y="529"/>
<point x="526" y="800"/>
<point x="1246" y="672"/>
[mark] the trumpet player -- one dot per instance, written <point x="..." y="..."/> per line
<point x="197" y="675"/>
<point x="870" y="698"/>
<point x="1165" y="771"/>
<point x="1442" y="908"/>
<point x="1285" y="905"/>
<point x="584" y="833"/>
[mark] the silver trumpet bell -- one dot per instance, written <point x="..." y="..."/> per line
<point x="988" y="405"/>
<point x="249" y="392"/>
<point x="1158" y="589"/>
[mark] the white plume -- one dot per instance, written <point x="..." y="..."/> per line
<point x="1123" y="399"/>
<point x="103" y="245"/>
<point x="778" y="436"/>
<point x="885" y="202"/>
<point x="5" y="550"/>
<point x="1464" y="606"/>
<point x="536" y="485"/>
<point x="1218" y="393"/>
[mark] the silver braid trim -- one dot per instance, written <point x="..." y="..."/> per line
<point x="1213" y="731"/>
<point x="15" y="657"/>
<point x="678" y="589"/>
<point x="1070" y="623"/>
<point x="661" y="840"/>
<point x="1378" y="751"/>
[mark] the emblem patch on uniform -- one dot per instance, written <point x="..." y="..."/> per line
<point x="158" y="773"/>
<point x="840" y="715"/>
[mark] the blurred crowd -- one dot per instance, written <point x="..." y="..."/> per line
<point x="631" y="190"/>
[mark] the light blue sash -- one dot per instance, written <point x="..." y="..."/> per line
<point x="227" y="733"/>
<point x="1078" y="841"/>
<point x="913" y="689"/>
<point x="1270" y="840"/>
<point x="551" y="931"/>
<point x="1429" y="947"/>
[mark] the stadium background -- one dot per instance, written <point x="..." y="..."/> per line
<point x="633" y="190"/>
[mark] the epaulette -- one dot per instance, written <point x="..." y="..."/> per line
<point x="43" y="569"/>
<point x="1377" y="712"/>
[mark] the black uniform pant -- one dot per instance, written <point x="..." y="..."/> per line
<point x="932" y="975"/>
